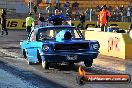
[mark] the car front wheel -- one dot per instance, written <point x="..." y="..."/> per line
<point x="88" y="63"/>
<point x="29" y="63"/>
<point x="45" y="64"/>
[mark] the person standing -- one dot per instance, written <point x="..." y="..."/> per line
<point x="82" y="20"/>
<point x="87" y="12"/>
<point x="41" y="20"/>
<point x="29" y="23"/>
<point x="104" y="15"/>
<point x="47" y="1"/>
<point x="3" y="22"/>
<point x="69" y="13"/>
<point x="50" y="9"/>
<point x="35" y="9"/>
<point x="128" y="15"/>
<point x="57" y="18"/>
<point x="57" y="4"/>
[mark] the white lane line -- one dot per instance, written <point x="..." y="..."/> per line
<point x="12" y="54"/>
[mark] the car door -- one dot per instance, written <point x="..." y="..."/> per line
<point x="31" y="46"/>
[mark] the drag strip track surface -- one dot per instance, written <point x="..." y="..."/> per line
<point x="58" y="76"/>
<point x="29" y="77"/>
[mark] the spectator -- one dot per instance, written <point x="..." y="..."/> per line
<point x="77" y="15"/>
<point x="113" y="17"/>
<point x="41" y="19"/>
<point x="69" y="13"/>
<point x="57" y="4"/>
<point x="110" y="8"/>
<point x="128" y="15"/>
<point x="92" y="12"/>
<point x="48" y="1"/>
<point x="50" y="10"/>
<point x="73" y="14"/>
<point x="57" y="18"/>
<point x="66" y="5"/>
<point x="29" y="23"/>
<point x="75" y="5"/>
<point x="87" y="12"/>
<point x="82" y="19"/>
<point x="104" y="15"/>
<point x="98" y="21"/>
<point x="122" y="8"/>
<point x="119" y="17"/>
<point x="56" y="1"/>
<point x="35" y="9"/>
<point x="131" y="13"/>
<point x="29" y="4"/>
<point x="3" y="22"/>
<point x="117" y="10"/>
<point x="97" y="8"/>
<point x="63" y="12"/>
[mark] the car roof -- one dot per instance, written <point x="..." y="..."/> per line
<point x="49" y="27"/>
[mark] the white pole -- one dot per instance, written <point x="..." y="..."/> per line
<point x="30" y="6"/>
<point x="90" y="15"/>
<point x="90" y="10"/>
<point x="5" y="4"/>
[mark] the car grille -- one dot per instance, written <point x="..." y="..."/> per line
<point x="71" y="47"/>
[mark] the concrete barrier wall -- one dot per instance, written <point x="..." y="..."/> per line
<point x="112" y="44"/>
<point x="128" y="46"/>
<point x="122" y="25"/>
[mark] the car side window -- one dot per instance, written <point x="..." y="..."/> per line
<point x="46" y="35"/>
<point x="32" y="37"/>
<point x="76" y="34"/>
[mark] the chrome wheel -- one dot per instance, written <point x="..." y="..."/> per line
<point x="88" y="63"/>
<point x="45" y="64"/>
<point x="30" y="63"/>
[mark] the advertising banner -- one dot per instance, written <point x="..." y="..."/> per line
<point x="16" y="24"/>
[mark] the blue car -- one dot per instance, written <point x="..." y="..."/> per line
<point x="58" y="44"/>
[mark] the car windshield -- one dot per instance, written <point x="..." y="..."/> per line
<point x="58" y="33"/>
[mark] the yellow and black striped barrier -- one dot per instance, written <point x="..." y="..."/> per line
<point x="16" y="24"/>
<point x="21" y="24"/>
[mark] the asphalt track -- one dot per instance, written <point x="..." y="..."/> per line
<point x="33" y="76"/>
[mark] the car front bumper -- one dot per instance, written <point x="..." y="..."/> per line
<point x="69" y="56"/>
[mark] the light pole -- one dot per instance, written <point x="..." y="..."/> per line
<point x="5" y="4"/>
<point x="90" y="10"/>
<point x="30" y="5"/>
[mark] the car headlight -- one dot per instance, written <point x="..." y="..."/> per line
<point x="96" y="46"/>
<point x="45" y="48"/>
<point x="20" y="43"/>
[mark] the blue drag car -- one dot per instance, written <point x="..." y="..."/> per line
<point x="58" y="44"/>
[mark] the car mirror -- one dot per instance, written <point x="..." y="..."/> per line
<point x="28" y="41"/>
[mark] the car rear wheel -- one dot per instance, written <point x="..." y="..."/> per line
<point x="29" y="63"/>
<point x="88" y="63"/>
<point x="45" y="64"/>
<point x="24" y="54"/>
<point x="39" y="57"/>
